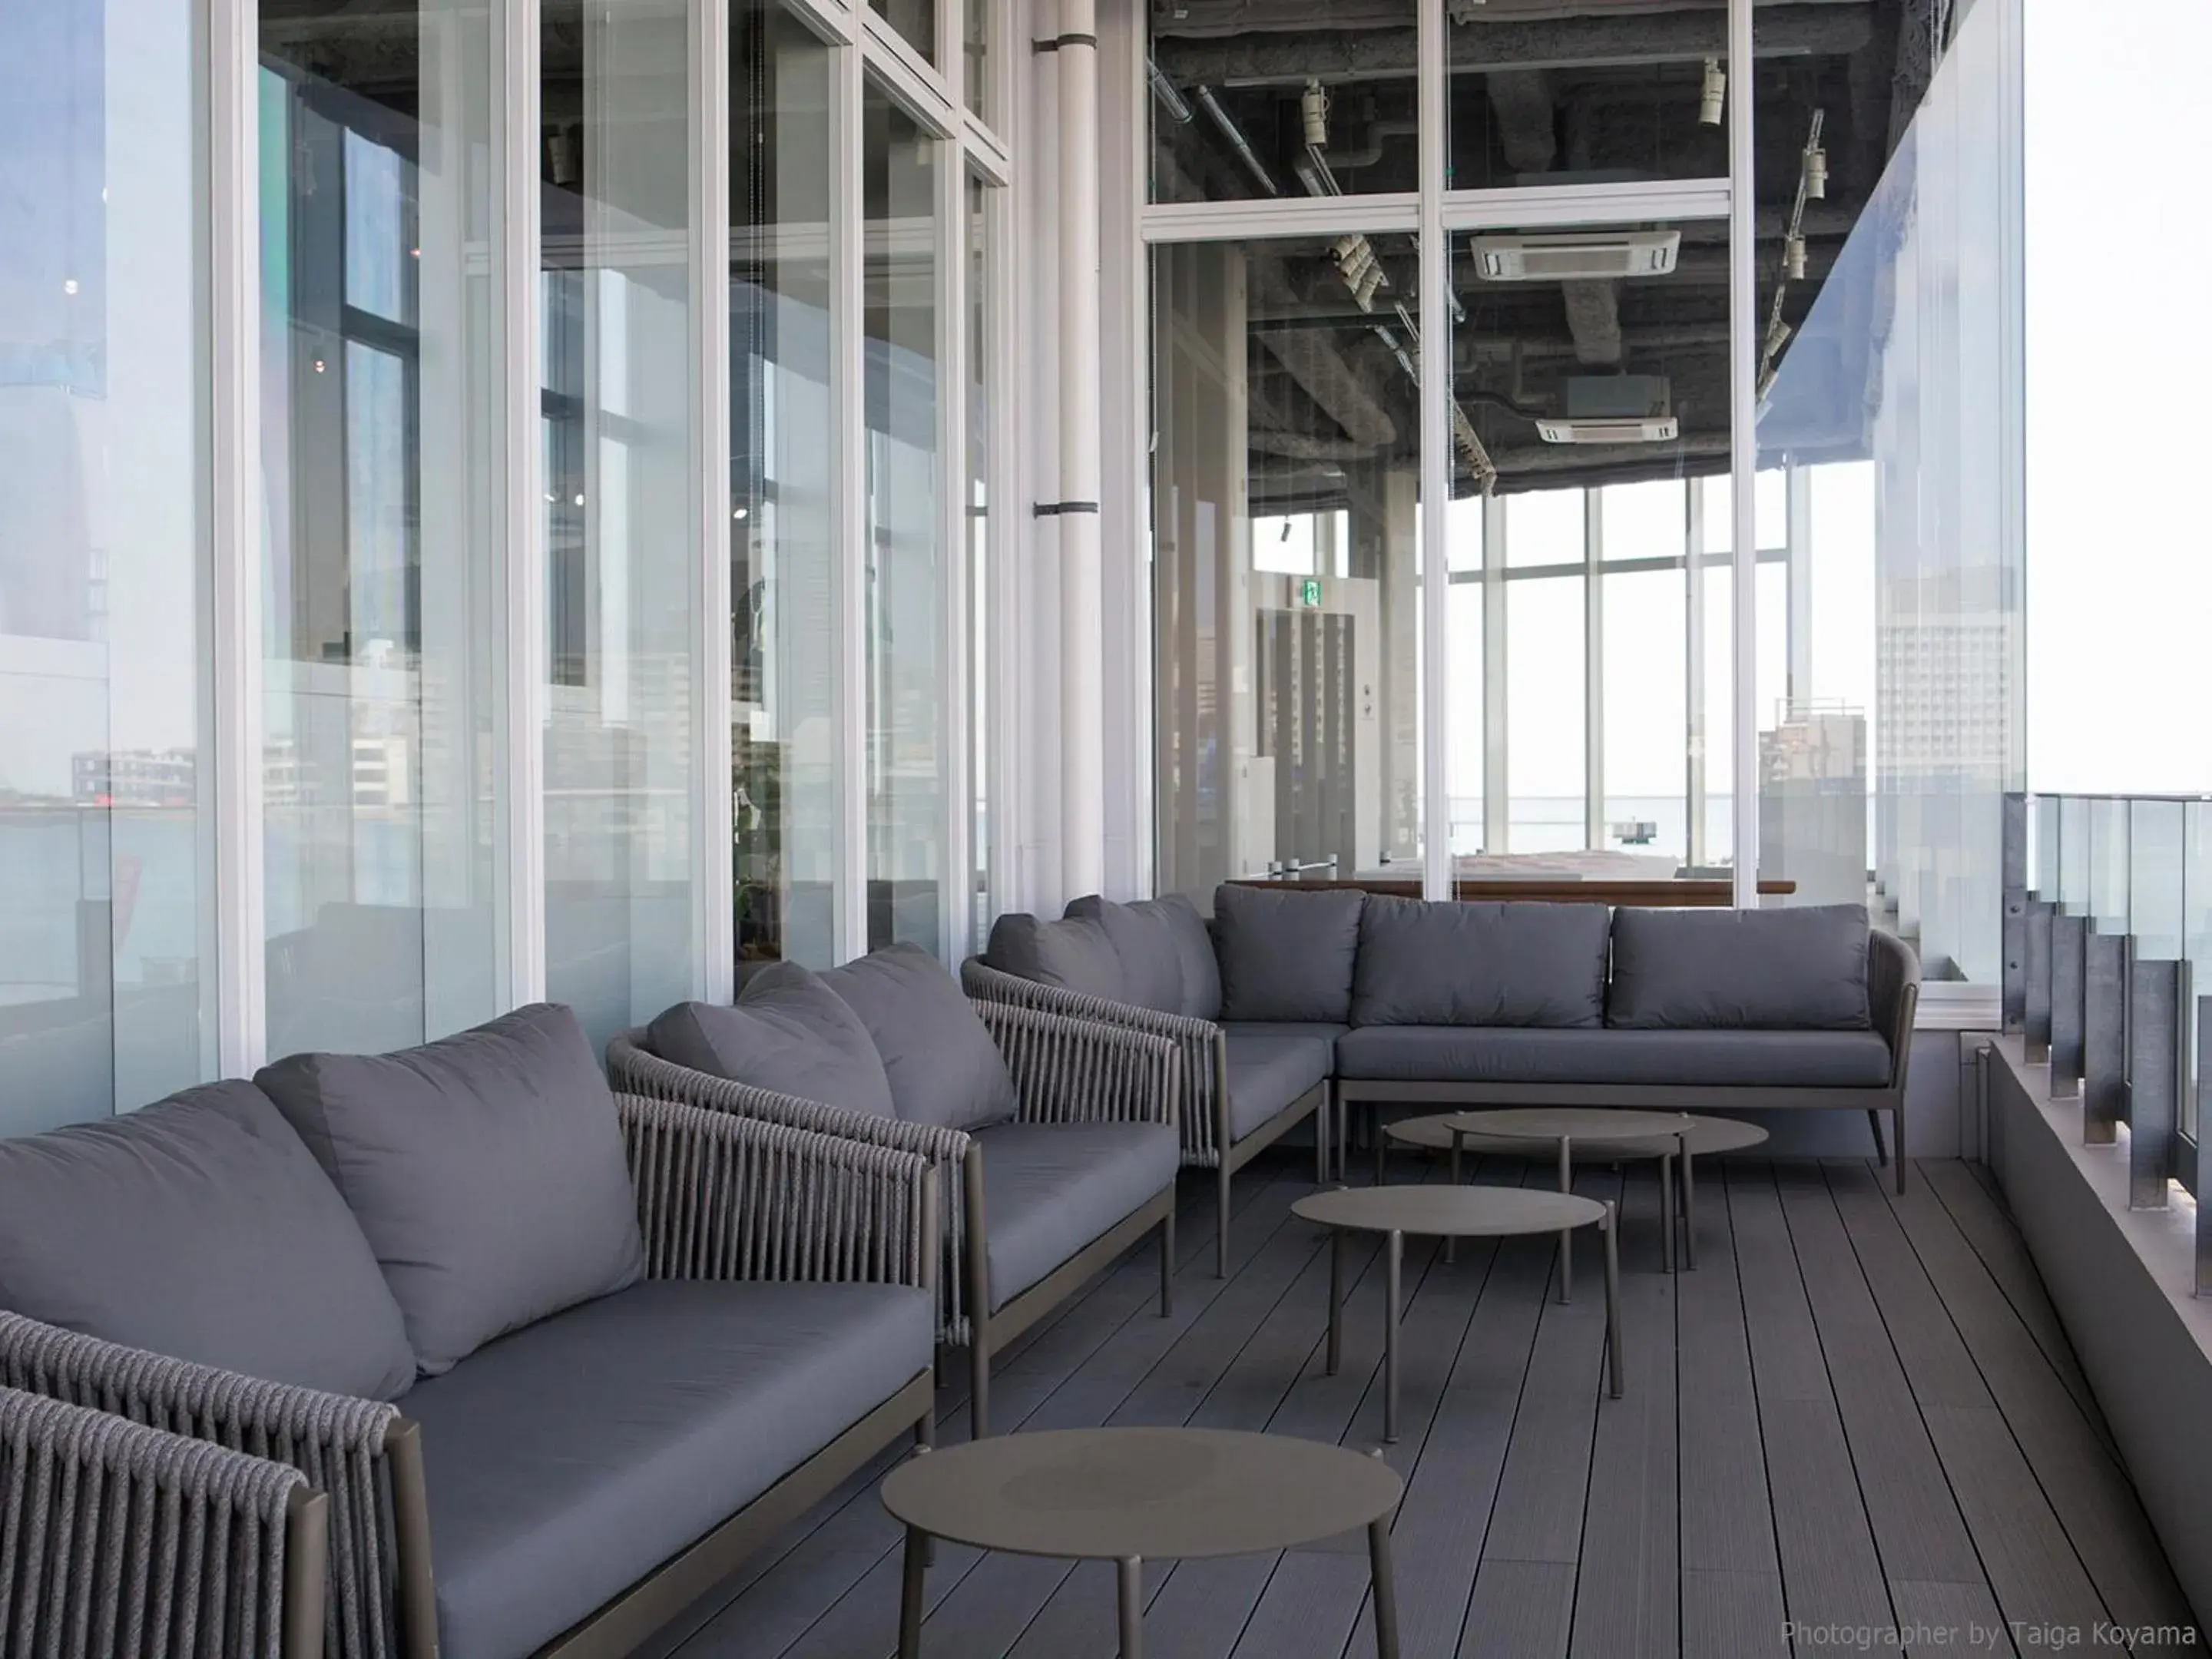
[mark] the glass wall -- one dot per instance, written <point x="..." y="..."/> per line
<point x="1286" y="579"/>
<point x="623" y="577"/>
<point x="381" y="470"/>
<point x="909" y="566"/>
<point x="783" y="642"/>
<point x="1885" y="757"/>
<point x="107" y="960"/>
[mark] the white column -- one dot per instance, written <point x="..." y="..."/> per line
<point x="1082" y="641"/>
<point x="1437" y="869"/>
<point x="1743" y="456"/>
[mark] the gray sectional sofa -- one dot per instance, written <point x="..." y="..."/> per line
<point x="1054" y="1139"/>
<point x="551" y="1362"/>
<point x="1379" y="1002"/>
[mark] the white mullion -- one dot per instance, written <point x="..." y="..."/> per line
<point x="1436" y="395"/>
<point x="1743" y="458"/>
<point x="987" y="154"/>
<point x="1000" y="526"/>
<point x="1698" y="719"/>
<point x="831" y="22"/>
<point x="1123" y="498"/>
<point x="234" y="525"/>
<point x="952" y="55"/>
<point x="714" y="966"/>
<point x="899" y="69"/>
<point x="1537" y="206"/>
<point x="519" y="810"/>
<point x="1328" y="217"/>
<point x="957" y="893"/>
<point x="848" y="507"/>
<point x="1497" y="785"/>
<point x="1593" y="668"/>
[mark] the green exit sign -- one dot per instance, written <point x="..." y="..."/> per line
<point x="1309" y="593"/>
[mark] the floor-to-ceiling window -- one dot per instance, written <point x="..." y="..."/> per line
<point x="106" y="895"/>
<point x="380" y="462"/>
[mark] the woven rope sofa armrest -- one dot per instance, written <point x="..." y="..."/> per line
<point x="360" y="1454"/>
<point x="1078" y="1071"/>
<point x="108" y="1527"/>
<point x="634" y="1072"/>
<point x="725" y="1197"/>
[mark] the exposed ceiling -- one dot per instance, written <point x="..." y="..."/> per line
<point x="1549" y="91"/>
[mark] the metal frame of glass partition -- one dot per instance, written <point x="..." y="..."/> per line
<point x="2108" y="974"/>
<point x="930" y="87"/>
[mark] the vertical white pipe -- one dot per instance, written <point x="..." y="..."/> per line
<point x="714" y="963"/>
<point x="1436" y="464"/>
<point x="1082" y="641"/>
<point x="848" y="506"/>
<point x="1743" y="455"/>
<point x="234" y="529"/>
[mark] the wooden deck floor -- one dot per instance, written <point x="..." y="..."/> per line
<point x="1858" y="1421"/>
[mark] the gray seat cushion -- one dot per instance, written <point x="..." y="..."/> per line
<point x="1270" y="1066"/>
<point x="1453" y="963"/>
<point x="1791" y="970"/>
<point x="1287" y="955"/>
<point x="200" y="1227"/>
<point x="1051" y="1189"/>
<point x="568" y="1461"/>
<point x="1466" y="1054"/>
<point x="787" y="1032"/>
<point x="1166" y="953"/>
<point x="487" y="1169"/>
<point x="1073" y="954"/>
<point x="941" y="1063"/>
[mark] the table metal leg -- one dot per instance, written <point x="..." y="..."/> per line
<point x="1397" y="1248"/>
<point x="1320" y="1142"/>
<point x="911" y="1592"/>
<point x="1689" y="1205"/>
<point x="1667" y="1212"/>
<point x="1611" y="1226"/>
<point x="1335" y="1298"/>
<point x="1566" y="1234"/>
<point x="1343" y="1116"/>
<point x="1386" y="1593"/>
<point x="1382" y="1143"/>
<point x="1132" y="1606"/>
<point x="1451" y="1244"/>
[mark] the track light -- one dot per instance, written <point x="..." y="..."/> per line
<point x="1364" y="294"/>
<point x="1816" y="173"/>
<point x="1793" y="258"/>
<point x="1313" y="108"/>
<point x="1712" y="93"/>
<point x="1778" y="336"/>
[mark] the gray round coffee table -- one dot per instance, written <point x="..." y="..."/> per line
<point x="1126" y="1494"/>
<point x="1450" y="1212"/>
<point x="1448" y="1131"/>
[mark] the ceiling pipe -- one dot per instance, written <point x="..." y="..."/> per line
<point x="1234" y="134"/>
<point x="1172" y="101"/>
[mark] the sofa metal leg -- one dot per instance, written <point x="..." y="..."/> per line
<point x="1221" y="1219"/>
<point x="1874" y="1121"/>
<point x="1897" y="1135"/>
<point x="979" y="1382"/>
<point x="1167" y="1262"/>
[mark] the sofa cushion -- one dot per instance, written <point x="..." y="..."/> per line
<point x="1270" y="1066"/>
<point x="1466" y="1054"/>
<point x="941" y="1063"/>
<point x="1072" y="954"/>
<point x="1287" y="955"/>
<point x="199" y="1227"/>
<point x="487" y="1169"/>
<point x="1453" y="963"/>
<point x="1166" y="953"/>
<point x="1795" y="970"/>
<point x="1051" y="1189"/>
<point x="787" y="1032"/>
<point x="568" y="1461"/>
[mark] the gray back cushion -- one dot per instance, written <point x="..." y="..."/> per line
<point x="199" y="1227"/>
<point x="1449" y="964"/>
<point x="1073" y="954"/>
<point x="942" y="1066"/>
<point x="788" y="1033"/>
<point x="1166" y="953"/>
<point x="487" y="1169"/>
<point x="1286" y="955"/>
<point x="1797" y="969"/>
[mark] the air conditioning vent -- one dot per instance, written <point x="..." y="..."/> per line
<point x="1608" y="432"/>
<point x="1577" y="256"/>
<point x="1613" y="408"/>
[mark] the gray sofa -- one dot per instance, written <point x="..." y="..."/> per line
<point x="1054" y="1139"/>
<point x="1426" y="1005"/>
<point x="553" y="1363"/>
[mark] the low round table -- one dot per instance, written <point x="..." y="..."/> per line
<point x="1449" y="1132"/>
<point x="1126" y="1494"/>
<point x="1450" y="1212"/>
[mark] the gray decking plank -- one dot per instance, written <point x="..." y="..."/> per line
<point x="1520" y="1610"/>
<point x="1918" y="1529"/>
<point x="1726" y="1517"/>
<point x="1733" y="1615"/>
<point x="1831" y="1572"/>
<point x="1937" y="1618"/>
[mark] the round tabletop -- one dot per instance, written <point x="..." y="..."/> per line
<point x="1449" y="1212"/>
<point x="1707" y="1135"/>
<point x="1557" y="1123"/>
<point x="1113" y="1493"/>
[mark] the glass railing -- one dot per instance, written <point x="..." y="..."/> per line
<point x="2108" y="968"/>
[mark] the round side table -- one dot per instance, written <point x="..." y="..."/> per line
<point x="1451" y="1212"/>
<point x="1124" y="1494"/>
